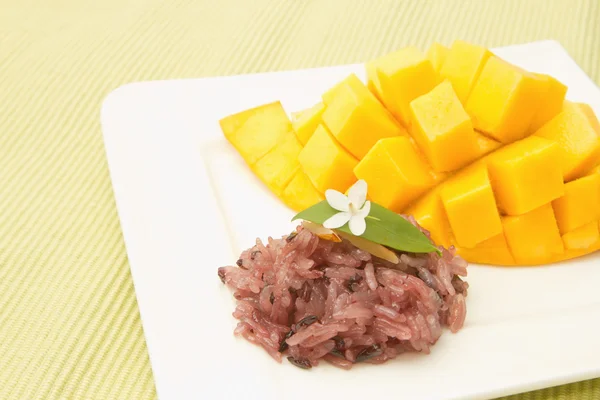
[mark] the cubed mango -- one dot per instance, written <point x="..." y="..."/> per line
<point x="300" y="193"/>
<point x="470" y="206"/>
<point x="525" y="175"/>
<point x="533" y="237"/>
<point x="574" y="130"/>
<point x="358" y="121"/>
<point x="502" y="102"/>
<point x="277" y="167"/>
<point x="256" y="131"/>
<point x="350" y="83"/>
<point x="582" y="237"/>
<point x="306" y="123"/>
<point x="497" y="163"/>
<point x="430" y="214"/>
<point x="437" y="54"/>
<point x="579" y="205"/>
<point x="463" y="66"/>
<point x="402" y="77"/>
<point x="494" y="251"/>
<point x="327" y="164"/>
<point x="550" y="101"/>
<point x="395" y="173"/>
<point x="442" y="129"/>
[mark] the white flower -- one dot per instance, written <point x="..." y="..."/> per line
<point x="353" y="208"/>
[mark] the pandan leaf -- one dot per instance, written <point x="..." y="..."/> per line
<point x="383" y="226"/>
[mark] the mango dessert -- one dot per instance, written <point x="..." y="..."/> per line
<point x="488" y="157"/>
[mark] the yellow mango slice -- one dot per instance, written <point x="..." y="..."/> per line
<point x="357" y="120"/>
<point x="491" y="251"/>
<point x="579" y="205"/>
<point x="327" y="164"/>
<point x="430" y="214"/>
<point x="256" y="131"/>
<point x="400" y="78"/>
<point x="574" y="130"/>
<point x="437" y="54"/>
<point x="442" y="129"/>
<point x="550" y="101"/>
<point x="525" y="175"/>
<point x="278" y="166"/>
<point x="582" y="237"/>
<point x="471" y="208"/>
<point x="533" y="237"/>
<point x="306" y="123"/>
<point x="395" y="173"/>
<point x="463" y="66"/>
<point x="300" y="193"/>
<point x="502" y="102"/>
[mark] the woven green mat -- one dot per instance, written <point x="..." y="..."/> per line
<point x="69" y="322"/>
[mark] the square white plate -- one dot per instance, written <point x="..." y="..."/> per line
<point x="188" y="204"/>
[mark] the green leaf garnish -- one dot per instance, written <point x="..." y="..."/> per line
<point x="383" y="226"/>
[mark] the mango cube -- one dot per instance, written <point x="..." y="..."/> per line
<point x="327" y="164"/>
<point x="430" y="214"/>
<point x="306" y="123"/>
<point x="579" y="205"/>
<point x="358" y="121"/>
<point x="463" y="66"/>
<point x="395" y="173"/>
<point x="533" y="237"/>
<point x="351" y="83"/>
<point x="256" y="131"/>
<point x="300" y="193"/>
<point x="470" y="206"/>
<point x="437" y="54"/>
<point x="277" y="167"/>
<point x="574" y="130"/>
<point x="525" y="175"/>
<point x="494" y="250"/>
<point x="400" y="78"/>
<point x="582" y="237"/>
<point x="550" y="101"/>
<point x="442" y="129"/>
<point x="502" y="102"/>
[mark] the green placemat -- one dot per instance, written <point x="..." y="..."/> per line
<point x="69" y="322"/>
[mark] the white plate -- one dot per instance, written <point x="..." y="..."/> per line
<point x="188" y="205"/>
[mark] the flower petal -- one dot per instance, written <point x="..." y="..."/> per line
<point x="357" y="225"/>
<point x="358" y="193"/>
<point x="337" y="221"/>
<point x="337" y="200"/>
<point x="363" y="212"/>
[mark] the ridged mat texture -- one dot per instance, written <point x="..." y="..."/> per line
<point x="69" y="321"/>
